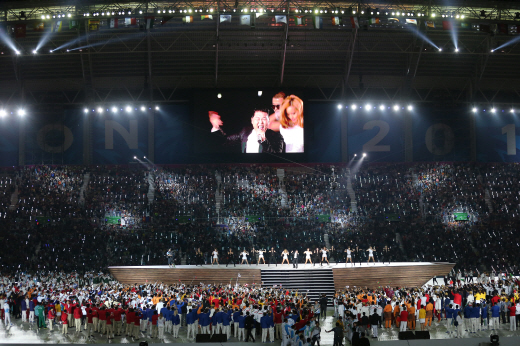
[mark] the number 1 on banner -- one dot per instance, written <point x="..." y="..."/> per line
<point x="510" y="132"/>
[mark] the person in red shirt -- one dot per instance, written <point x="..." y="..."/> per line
<point x="512" y="317"/>
<point x="65" y="322"/>
<point x="50" y="318"/>
<point x="95" y="317"/>
<point x="90" y="323"/>
<point x="77" y="318"/>
<point x="130" y="321"/>
<point x="137" y="326"/>
<point x="155" y="329"/>
<point x="404" y="319"/>
<point x="278" y="319"/>
<point x="109" y="326"/>
<point x="102" y="320"/>
<point x="117" y="321"/>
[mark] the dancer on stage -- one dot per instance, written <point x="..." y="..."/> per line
<point x="295" y="258"/>
<point x="230" y="258"/>
<point x="308" y="254"/>
<point x="169" y="254"/>
<point x="215" y="257"/>
<point x="244" y="255"/>
<point x="285" y="255"/>
<point x="260" y="255"/>
<point x="371" y="254"/>
<point x="272" y="257"/>
<point x="324" y="255"/>
<point x="349" y="257"/>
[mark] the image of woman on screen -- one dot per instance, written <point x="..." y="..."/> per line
<point x="291" y="124"/>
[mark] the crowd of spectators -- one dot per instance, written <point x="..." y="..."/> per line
<point x="404" y="211"/>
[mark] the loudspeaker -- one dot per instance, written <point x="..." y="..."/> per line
<point x="203" y="338"/>
<point x="218" y="338"/>
<point x="422" y="334"/>
<point x="406" y="336"/>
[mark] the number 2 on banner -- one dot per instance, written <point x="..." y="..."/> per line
<point x="371" y="145"/>
<point x="510" y="132"/>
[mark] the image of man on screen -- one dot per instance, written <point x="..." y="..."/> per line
<point x="257" y="138"/>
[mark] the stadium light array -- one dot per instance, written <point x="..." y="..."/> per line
<point x="21" y="112"/>
<point x="340" y="106"/>
<point x="3" y="113"/>
<point x="143" y="108"/>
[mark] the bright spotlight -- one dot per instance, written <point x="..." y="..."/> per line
<point x="135" y="157"/>
<point x="219" y="95"/>
<point x="259" y="93"/>
<point x="3" y="113"/>
<point x="340" y="106"/>
<point x="143" y="108"/>
<point x="474" y="109"/>
<point x="456" y="50"/>
<point x="410" y="107"/>
<point x="128" y="109"/>
<point x="156" y="108"/>
<point x="493" y="110"/>
<point x="440" y="49"/>
<point x="21" y="112"/>
<point x="355" y="155"/>
<point x="144" y="157"/>
<point x="354" y="106"/>
<point x="396" y="108"/>
<point x="114" y="109"/>
<point x="100" y="110"/>
<point x="368" y="107"/>
<point x="85" y="110"/>
<point x="512" y="110"/>
<point x="35" y="51"/>
<point x="17" y="52"/>
<point x="492" y="50"/>
<point x="364" y="154"/>
<point x="382" y="107"/>
<point x="51" y="51"/>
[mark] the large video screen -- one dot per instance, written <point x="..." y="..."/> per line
<point x="249" y="121"/>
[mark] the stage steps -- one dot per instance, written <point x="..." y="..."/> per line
<point x="314" y="281"/>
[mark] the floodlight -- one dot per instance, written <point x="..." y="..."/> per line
<point x="474" y="109"/>
<point x="100" y="110"/>
<point x="396" y="108"/>
<point x="85" y="110"/>
<point x="219" y="95"/>
<point x="368" y="107"/>
<point x="21" y="112"/>
<point x="340" y="106"/>
<point x="382" y="107"/>
<point x="364" y="154"/>
<point x="128" y="109"/>
<point x="259" y="93"/>
<point x="143" y="108"/>
<point x="3" y="113"/>
<point x="493" y="110"/>
<point x="410" y="107"/>
<point x="156" y="108"/>
<point x="114" y="109"/>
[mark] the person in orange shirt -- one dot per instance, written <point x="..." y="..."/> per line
<point x="397" y="312"/>
<point x="429" y="314"/>
<point x="411" y="316"/>
<point x="387" y="313"/>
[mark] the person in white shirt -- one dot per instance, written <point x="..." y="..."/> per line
<point x="7" y="315"/>
<point x="349" y="256"/>
<point x="244" y="255"/>
<point x="160" y="325"/>
<point x="215" y="257"/>
<point x="260" y="256"/>
<point x="371" y="254"/>
<point x="291" y="124"/>
<point x="308" y="255"/>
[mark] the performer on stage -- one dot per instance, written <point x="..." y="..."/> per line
<point x="169" y="254"/>
<point x="295" y="258"/>
<point x="308" y="254"/>
<point x="244" y="255"/>
<point x="371" y="254"/>
<point x="272" y="258"/>
<point x="285" y="255"/>
<point x="349" y="257"/>
<point x="215" y="257"/>
<point x="260" y="255"/>
<point x="324" y="255"/>
<point x="316" y="255"/>
<point x="230" y="258"/>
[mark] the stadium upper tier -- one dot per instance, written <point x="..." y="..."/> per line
<point x="73" y="217"/>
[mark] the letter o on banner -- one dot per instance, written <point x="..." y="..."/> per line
<point x="55" y="138"/>
<point x="440" y="139"/>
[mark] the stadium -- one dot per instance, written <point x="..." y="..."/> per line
<point x="297" y="173"/>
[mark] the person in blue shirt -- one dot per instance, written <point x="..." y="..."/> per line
<point x="449" y="316"/>
<point x="484" y="319"/>
<point x="236" y="316"/>
<point x="467" y="316"/>
<point x="24" y="310"/>
<point x="204" y="322"/>
<point x="215" y="320"/>
<point x="241" y="327"/>
<point x="176" y="322"/>
<point x="264" y="323"/>
<point x="190" y="321"/>
<point x="31" y="311"/>
<point x="495" y="316"/>
<point x="270" y="319"/>
<point x="226" y="323"/>
<point x="475" y="317"/>
<point x="165" y="311"/>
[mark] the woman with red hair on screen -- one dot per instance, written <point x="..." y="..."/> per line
<point x="291" y="124"/>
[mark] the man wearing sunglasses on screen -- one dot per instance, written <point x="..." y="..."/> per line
<point x="257" y="138"/>
<point x="274" y="119"/>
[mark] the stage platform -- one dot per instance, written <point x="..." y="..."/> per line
<point x="373" y="275"/>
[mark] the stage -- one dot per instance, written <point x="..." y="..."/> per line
<point x="373" y="275"/>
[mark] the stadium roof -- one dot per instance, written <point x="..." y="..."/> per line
<point x="72" y="52"/>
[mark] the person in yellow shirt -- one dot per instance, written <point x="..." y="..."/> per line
<point x="422" y="317"/>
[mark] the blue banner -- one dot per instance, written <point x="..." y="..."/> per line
<point x="441" y="135"/>
<point x="173" y="135"/>
<point x="118" y="137"/>
<point x="54" y="139"/>
<point x="8" y="141"/>
<point x="498" y="137"/>
<point x="377" y="132"/>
